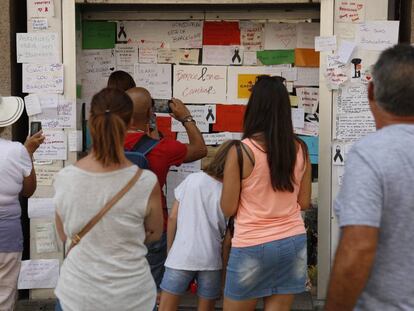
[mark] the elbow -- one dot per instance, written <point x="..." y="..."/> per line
<point x="28" y="192"/>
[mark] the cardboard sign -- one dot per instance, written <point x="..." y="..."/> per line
<point x="200" y="84"/>
<point x="221" y="33"/>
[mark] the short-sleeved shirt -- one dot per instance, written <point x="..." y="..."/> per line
<point x="200" y="225"/>
<point x="166" y="153"/>
<point x="15" y="164"/>
<point x="378" y="191"/>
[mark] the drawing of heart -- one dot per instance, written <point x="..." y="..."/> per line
<point x="142" y="41"/>
<point x="285" y="42"/>
<point x="360" y="6"/>
<point x="186" y="55"/>
<point x="112" y="68"/>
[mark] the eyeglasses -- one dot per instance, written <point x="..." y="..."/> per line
<point x="275" y="78"/>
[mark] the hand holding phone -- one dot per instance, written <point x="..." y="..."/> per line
<point x="35" y="127"/>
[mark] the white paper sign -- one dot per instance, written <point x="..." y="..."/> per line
<point x="32" y="104"/>
<point x="75" y="141"/>
<point x="345" y="51"/>
<point x="340" y="151"/>
<point x="353" y="98"/>
<point x="45" y="238"/>
<point x="41" y="208"/>
<point x="298" y="117"/>
<point x="347" y="11"/>
<point x="156" y="78"/>
<point x="199" y="113"/>
<point x="250" y="58"/>
<point x="39" y="273"/>
<point x="45" y="174"/>
<point x="63" y="116"/>
<point x="306" y="35"/>
<point x="188" y="167"/>
<point x="200" y="84"/>
<point x="308" y="98"/>
<point x="126" y="54"/>
<point x="162" y="34"/>
<point x="325" y="43"/>
<point x="377" y="35"/>
<point x="98" y="63"/>
<point x="188" y="56"/>
<point x="54" y="147"/>
<point x="40" y="24"/>
<point x="280" y="36"/>
<point x="43" y="78"/>
<point x="251" y="35"/>
<point x="222" y="55"/>
<point x="354" y="126"/>
<point x="38" y="47"/>
<point x="147" y="56"/>
<point x="38" y="8"/>
<point x="167" y="56"/>
<point x="307" y="77"/>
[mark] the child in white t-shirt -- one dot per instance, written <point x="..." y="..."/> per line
<point x="196" y="228"/>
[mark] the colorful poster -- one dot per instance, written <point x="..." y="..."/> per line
<point x="221" y="33"/>
<point x="200" y="84"/>
<point x="245" y="84"/>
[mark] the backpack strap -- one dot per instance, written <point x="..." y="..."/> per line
<point x="145" y="145"/>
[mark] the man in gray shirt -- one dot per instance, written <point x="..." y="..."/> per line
<point x="374" y="263"/>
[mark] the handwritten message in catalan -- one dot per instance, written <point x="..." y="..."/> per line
<point x="200" y="84"/>
<point x="42" y="78"/>
<point x="38" y="47"/>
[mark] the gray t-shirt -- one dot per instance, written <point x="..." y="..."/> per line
<point x="378" y="191"/>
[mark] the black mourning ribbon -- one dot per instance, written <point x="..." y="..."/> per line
<point x="236" y="56"/>
<point x="210" y="114"/>
<point x="122" y="32"/>
<point x="338" y="155"/>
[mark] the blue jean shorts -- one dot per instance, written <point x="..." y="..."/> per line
<point x="277" y="267"/>
<point x="176" y="282"/>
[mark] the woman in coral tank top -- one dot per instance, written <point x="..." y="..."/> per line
<point x="268" y="254"/>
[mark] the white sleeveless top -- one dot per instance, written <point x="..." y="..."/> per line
<point x="107" y="269"/>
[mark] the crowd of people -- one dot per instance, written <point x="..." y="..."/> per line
<point x="234" y="229"/>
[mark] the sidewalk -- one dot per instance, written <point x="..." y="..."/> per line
<point x="303" y="302"/>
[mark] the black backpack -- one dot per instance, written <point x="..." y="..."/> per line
<point x="138" y="154"/>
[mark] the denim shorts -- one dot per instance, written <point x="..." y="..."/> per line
<point x="176" y="282"/>
<point x="277" y="267"/>
<point x="156" y="256"/>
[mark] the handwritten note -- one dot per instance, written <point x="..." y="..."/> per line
<point x="325" y="43"/>
<point x="188" y="56"/>
<point x="199" y="113"/>
<point x="249" y="58"/>
<point x="280" y="36"/>
<point x="308" y="98"/>
<point x="126" y="54"/>
<point x="39" y="8"/>
<point x="306" y="35"/>
<point x="63" y="116"/>
<point x="40" y="24"/>
<point x="162" y="34"/>
<point x="156" y="78"/>
<point x="354" y="126"/>
<point x="54" y="146"/>
<point x="345" y="51"/>
<point x="377" y="35"/>
<point x="39" y="273"/>
<point x="75" y="141"/>
<point x="41" y="208"/>
<point x="32" y="104"/>
<point x="298" y="117"/>
<point x="200" y="84"/>
<point x="350" y="11"/>
<point x="353" y="98"/>
<point x="98" y="63"/>
<point x="167" y="56"/>
<point x="45" y="174"/>
<point x="222" y="55"/>
<point x="147" y="55"/>
<point x="38" y="47"/>
<point x="43" y="78"/>
<point x="307" y="77"/>
<point x="251" y="35"/>
<point x="45" y="238"/>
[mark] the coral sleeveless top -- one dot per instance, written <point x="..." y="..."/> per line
<point x="266" y="215"/>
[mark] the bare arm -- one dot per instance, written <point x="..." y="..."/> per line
<point x="305" y="190"/>
<point x="154" y="220"/>
<point x="172" y="225"/>
<point x="231" y="189"/>
<point x="353" y="262"/>
<point x="29" y="182"/>
<point x="225" y="254"/>
<point x="59" y="228"/>
<point x="196" y="148"/>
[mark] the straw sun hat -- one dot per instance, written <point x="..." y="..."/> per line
<point x="11" y="108"/>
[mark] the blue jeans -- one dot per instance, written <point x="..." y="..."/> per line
<point x="157" y="254"/>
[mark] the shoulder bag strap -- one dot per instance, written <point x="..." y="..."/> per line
<point x="88" y="227"/>
<point x="230" y="224"/>
<point x="247" y="153"/>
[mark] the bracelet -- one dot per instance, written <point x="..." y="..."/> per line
<point x="187" y="119"/>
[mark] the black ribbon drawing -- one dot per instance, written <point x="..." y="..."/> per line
<point x="338" y="154"/>
<point x="357" y="67"/>
<point x="210" y="114"/>
<point x="122" y="32"/>
<point x="236" y="56"/>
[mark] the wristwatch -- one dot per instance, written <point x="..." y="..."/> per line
<point x="187" y="119"/>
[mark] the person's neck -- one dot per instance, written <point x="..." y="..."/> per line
<point x="387" y="119"/>
<point x="91" y="164"/>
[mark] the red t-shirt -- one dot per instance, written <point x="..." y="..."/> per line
<point x="166" y="153"/>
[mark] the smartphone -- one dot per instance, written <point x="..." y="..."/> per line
<point x="35" y="127"/>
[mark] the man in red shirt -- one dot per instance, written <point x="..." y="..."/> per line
<point x="166" y="153"/>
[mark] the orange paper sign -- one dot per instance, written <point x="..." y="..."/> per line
<point x="306" y="58"/>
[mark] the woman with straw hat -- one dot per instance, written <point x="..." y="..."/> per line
<point x="17" y="176"/>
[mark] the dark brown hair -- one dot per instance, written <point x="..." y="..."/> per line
<point x="268" y="112"/>
<point x="121" y="80"/>
<point x="111" y="111"/>
<point x="216" y="167"/>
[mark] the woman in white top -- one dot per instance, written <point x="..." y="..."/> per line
<point x="17" y="176"/>
<point x="107" y="269"/>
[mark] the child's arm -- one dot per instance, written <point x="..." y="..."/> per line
<point x="225" y="253"/>
<point x="172" y="225"/>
